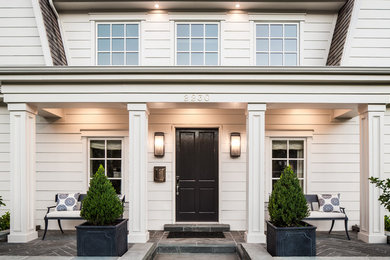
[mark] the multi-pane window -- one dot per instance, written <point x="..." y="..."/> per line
<point x="288" y="152"/>
<point x="277" y="44"/>
<point x="117" y="44"/>
<point x="197" y="44"/>
<point x="107" y="152"/>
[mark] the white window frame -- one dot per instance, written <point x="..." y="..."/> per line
<point x="105" y="158"/>
<point x="124" y="51"/>
<point x="305" y="159"/>
<point x="298" y="52"/>
<point x="204" y="44"/>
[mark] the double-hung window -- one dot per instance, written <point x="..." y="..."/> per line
<point x="109" y="154"/>
<point x="277" y="44"/>
<point x="197" y="44"/>
<point x="117" y="44"/>
<point x="288" y="152"/>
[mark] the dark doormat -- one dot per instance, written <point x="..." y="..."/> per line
<point x="196" y="235"/>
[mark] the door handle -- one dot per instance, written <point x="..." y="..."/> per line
<point x="177" y="185"/>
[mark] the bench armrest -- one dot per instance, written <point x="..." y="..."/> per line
<point x="48" y="208"/>
<point x="342" y="209"/>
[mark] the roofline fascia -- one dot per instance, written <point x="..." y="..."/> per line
<point x="105" y="70"/>
<point x="350" y="76"/>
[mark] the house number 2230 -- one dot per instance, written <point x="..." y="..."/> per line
<point x="196" y="98"/>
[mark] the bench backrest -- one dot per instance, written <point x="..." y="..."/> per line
<point x="310" y="198"/>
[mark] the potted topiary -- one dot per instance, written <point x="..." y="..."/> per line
<point x="104" y="234"/>
<point x="287" y="234"/>
<point x="384" y="199"/>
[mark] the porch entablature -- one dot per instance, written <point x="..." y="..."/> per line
<point x="196" y="85"/>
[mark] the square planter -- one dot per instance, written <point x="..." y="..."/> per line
<point x="102" y="240"/>
<point x="291" y="241"/>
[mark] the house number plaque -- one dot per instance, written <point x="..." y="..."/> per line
<point x="159" y="173"/>
<point x="196" y="98"/>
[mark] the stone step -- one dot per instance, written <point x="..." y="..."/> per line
<point x="197" y="227"/>
<point x="163" y="248"/>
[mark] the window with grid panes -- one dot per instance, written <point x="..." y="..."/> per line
<point x="197" y="44"/>
<point x="288" y="152"/>
<point x="277" y="44"/>
<point x="107" y="152"/>
<point x="117" y="44"/>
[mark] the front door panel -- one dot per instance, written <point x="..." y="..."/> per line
<point x="197" y="175"/>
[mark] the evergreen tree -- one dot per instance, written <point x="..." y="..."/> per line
<point x="101" y="206"/>
<point x="287" y="204"/>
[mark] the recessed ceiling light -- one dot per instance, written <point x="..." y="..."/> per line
<point x="156" y="5"/>
<point x="237" y="5"/>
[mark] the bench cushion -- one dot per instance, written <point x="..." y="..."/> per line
<point x="320" y="214"/>
<point x="64" y="214"/>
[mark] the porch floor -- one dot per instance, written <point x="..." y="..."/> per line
<point x="57" y="244"/>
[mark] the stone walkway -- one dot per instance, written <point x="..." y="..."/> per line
<point x="56" y="244"/>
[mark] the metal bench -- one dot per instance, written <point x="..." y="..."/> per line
<point x="74" y="214"/>
<point x="319" y="215"/>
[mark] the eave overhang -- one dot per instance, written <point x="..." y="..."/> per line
<point x="182" y="5"/>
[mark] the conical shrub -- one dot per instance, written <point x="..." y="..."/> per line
<point x="287" y="204"/>
<point x="101" y="206"/>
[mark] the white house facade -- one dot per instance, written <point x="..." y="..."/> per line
<point x="194" y="110"/>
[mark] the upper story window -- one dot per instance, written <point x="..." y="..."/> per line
<point x="277" y="44"/>
<point x="197" y="44"/>
<point x="117" y="44"/>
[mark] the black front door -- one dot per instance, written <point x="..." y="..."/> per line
<point x="197" y="175"/>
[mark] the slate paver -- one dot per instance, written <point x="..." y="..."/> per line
<point x="56" y="244"/>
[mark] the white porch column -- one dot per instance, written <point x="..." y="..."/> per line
<point x="371" y="164"/>
<point x="255" y="132"/>
<point x="138" y="152"/>
<point x="22" y="131"/>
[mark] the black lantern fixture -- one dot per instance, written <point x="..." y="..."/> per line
<point x="235" y="145"/>
<point x="159" y="144"/>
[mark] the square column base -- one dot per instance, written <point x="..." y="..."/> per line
<point x="22" y="238"/>
<point x="138" y="237"/>
<point x="372" y="239"/>
<point x="255" y="237"/>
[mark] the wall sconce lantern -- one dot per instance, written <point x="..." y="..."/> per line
<point x="235" y="145"/>
<point x="159" y="147"/>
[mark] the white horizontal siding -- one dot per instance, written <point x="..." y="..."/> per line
<point x="316" y="39"/>
<point x="236" y="43"/>
<point x="157" y="34"/>
<point x="77" y="37"/>
<point x="232" y="171"/>
<point x="61" y="154"/>
<point x="334" y="155"/>
<point x="369" y="38"/>
<point x="157" y="43"/>
<point x="4" y="159"/>
<point x="19" y="38"/>
<point x="387" y="147"/>
<point x="61" y="157"/>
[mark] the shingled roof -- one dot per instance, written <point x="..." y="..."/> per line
<point x="53" y="34"/>
<point x="340" y="34"/>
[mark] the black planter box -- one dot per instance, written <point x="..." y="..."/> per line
<point x="102" y="240"/>
<point x="291" y="241"/>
